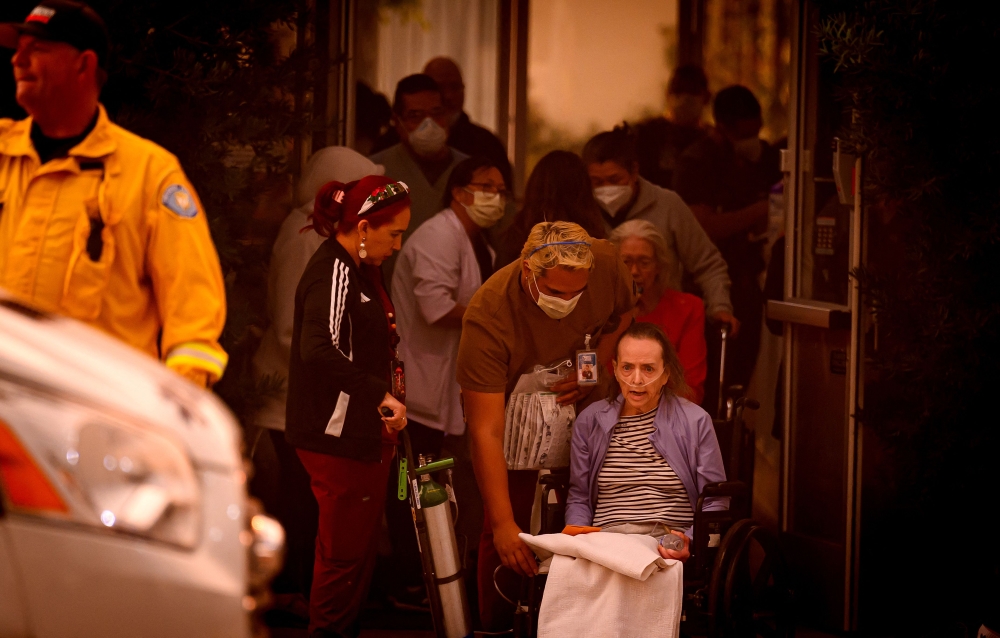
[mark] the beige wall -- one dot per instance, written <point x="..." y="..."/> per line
<point x="593" y="63"/>
<point x="464" y="30"/>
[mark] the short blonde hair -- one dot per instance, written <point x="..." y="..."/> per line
<point x="643" y="229"/>
<point x="545" y="248"/>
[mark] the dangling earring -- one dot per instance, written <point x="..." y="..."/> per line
<point x="362" y="253"/>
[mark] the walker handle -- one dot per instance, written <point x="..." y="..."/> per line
<point x="724" y="331"/>
<point x="436" y="466"/>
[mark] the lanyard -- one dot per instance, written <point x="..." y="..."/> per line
<point x="397" y="378"/>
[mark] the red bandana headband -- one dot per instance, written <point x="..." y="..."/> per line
<point x="384" y="196"/>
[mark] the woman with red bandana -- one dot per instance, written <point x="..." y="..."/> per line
<point x="338" y="383"/>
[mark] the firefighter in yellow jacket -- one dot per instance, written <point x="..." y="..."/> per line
<point x="96" y="223"/>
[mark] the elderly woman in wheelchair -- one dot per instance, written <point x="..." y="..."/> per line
<point x="639" y="460"/>
<point x="646" y="463"/>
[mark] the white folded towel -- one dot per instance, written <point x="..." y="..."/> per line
<point x="633" y="555"/>
<point x="603" y="584"/>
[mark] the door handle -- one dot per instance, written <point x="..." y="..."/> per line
<point x="810" y="313"/>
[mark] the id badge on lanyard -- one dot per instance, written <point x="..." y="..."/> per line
<point x="398" y="380"/>
<point x="397" y="388"/>
<point x="587" y="370"/>
<point x="397" y="374"/>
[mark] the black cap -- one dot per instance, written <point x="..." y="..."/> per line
<point x="67" y="21"/>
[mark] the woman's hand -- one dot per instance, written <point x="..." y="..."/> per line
<point x="397" y="421"/>
<point x="681" y="555"/>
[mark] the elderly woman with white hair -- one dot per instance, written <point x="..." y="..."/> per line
<point x="680" y="315"/>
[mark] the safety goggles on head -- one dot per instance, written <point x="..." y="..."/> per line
<point x="559" y="243"/>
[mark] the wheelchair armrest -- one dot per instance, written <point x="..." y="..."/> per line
<point x="739" y="500"/>
<point x="557" y="478"/>
<point x="737" y="489"/>
<point x="715" y="523"/>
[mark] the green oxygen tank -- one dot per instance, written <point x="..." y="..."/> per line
<point x="431" y="492"/>
<point x="435" y="503"/>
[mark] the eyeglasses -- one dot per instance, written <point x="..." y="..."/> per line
<point x="611" y="180"/>
<point x="644" y="263"/>
<point x="492" y="189"/>
<point x="416" y="117"/>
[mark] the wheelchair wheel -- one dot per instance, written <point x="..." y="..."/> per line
<point x="717" y="579"/>
<point x="749" y="589"/>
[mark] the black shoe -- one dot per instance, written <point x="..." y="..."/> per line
<point x="288" y="610"/>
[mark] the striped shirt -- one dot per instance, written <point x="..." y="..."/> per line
<point x="636" y="484"/>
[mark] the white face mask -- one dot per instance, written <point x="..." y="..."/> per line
<point x="486" y="209"/>
<point x="612" y="198"/>
<point x="555" y="307"/>
<point x="749" y="149"/>
<point x="428" y="139"/>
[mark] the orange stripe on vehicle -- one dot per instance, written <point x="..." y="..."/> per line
<point x="22" y="480"/>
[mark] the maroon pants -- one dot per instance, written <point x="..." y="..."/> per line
<point x="350" y="495"/>
<point x="496" y="613"/>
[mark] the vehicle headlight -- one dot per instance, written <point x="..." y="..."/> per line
<point x="65" y="461"/>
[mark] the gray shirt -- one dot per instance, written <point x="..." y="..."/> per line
<point x="690" y="248"/>
<point x="425" y="198"/>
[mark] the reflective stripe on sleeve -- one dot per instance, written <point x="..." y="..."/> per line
<point x="200" y="356"/>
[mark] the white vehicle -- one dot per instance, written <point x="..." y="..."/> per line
<point x="123" y="504"/>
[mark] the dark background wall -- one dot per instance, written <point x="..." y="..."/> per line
<point x="10" y="11"/>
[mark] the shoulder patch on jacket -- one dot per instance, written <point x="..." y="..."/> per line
<point x="179" y="200"/>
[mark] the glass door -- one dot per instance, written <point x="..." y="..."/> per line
<point x="819" y="487"/>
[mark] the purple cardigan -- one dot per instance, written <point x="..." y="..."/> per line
<point x="684" y="436"/>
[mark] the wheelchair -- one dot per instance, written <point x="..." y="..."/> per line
<point x="736" y="582"/>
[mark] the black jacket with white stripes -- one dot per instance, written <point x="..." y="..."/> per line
<point x="339" y="369"/>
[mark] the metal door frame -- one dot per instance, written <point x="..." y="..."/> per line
<point x="797" y="164"/>
<point x="512" y="84"/>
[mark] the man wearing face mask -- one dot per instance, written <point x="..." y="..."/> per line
<point x="725" y="178"/>
<point x="623" y="195"/>
<point x="538" y="310"/>
<point x="660" y="141"/>
<point x="422" y="160"/>
<point x="463" y="134"/>
<point x="438" y="271"/>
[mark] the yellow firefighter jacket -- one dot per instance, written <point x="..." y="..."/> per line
<point x="113" y="235"/>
